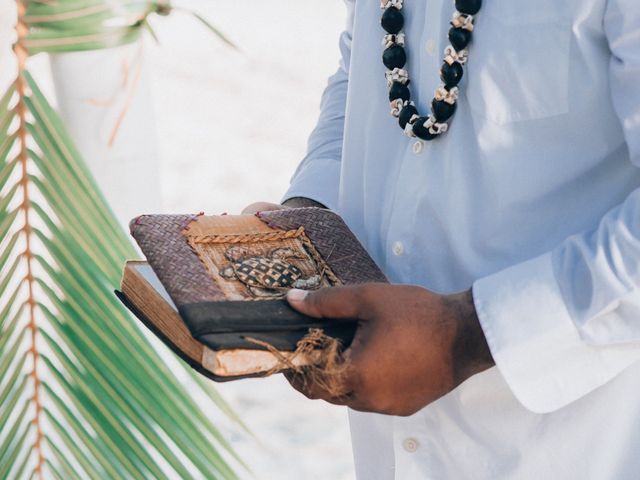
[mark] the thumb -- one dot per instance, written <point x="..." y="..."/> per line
<point x="333" y="302"/>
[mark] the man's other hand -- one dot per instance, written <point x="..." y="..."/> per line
<point x="261" y="207"/>
<point x="295" y="202"/>
<point x="411" y="347"/>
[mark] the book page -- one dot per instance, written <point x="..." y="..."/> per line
<point x="149" y="275"/>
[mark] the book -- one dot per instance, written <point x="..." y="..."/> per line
<point x="212" y="287"/>
<point x="143" y="293"/>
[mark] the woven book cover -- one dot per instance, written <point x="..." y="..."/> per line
<point x="228" y="274"/>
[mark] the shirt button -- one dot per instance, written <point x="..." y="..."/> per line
<point x="398" y="249"/>
<point x="410" y="445"/>
<point x="418" y="147"/>
<point x="430" y="46"/>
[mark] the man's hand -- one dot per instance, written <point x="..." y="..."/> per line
<point x="411" y="346"/>
<point x="296" y="202"/>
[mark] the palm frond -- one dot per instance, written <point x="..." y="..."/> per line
<point x="80" y="25"/>
<point x="83" y="392"/>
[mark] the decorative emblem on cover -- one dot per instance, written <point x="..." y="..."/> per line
<point x="262" y="264"/>
<point x="267" y="275"/>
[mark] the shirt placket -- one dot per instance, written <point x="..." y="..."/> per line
<point x="425" y="52"/>
<point x="411" y="448"/>
<point x="423" y="44"/>
<point x="410" y="438"/>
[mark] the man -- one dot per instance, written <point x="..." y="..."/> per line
<point x="529" y="204"/>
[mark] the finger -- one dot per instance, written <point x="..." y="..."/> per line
<point x="313" y="391"/>
<point x="304" y="385"/>
<point x="334" y="302"/>
<point x="261" y="207"/>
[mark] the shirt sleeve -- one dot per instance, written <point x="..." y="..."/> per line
<point x="565" y="323"/>
<point x="318" y="175"/>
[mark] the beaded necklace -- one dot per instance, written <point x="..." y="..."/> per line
<point x="394" y="58"/>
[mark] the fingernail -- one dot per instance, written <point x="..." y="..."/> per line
<point x="296" y="295"/>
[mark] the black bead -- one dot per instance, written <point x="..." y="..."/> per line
<point x="421" y="131"/>
<point x="392" y="20"/>
<point x="406" y="113"/>
<point x="398" y="90"/>
<point x="451" y="74"/>
<point x="442" y="110"/>
<point x="459" y="38"/>
<point x="394" y="57"/>
<point x="470" y="7"/>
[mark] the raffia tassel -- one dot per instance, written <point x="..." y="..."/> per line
<point x="328" y="370"/>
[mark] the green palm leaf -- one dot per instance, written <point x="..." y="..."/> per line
<point x="83" y="392"/>
<point x="78" y="25"/>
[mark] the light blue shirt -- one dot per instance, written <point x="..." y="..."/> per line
<point x="532" y="198"/>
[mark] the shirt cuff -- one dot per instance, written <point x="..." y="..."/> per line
<point x="317" y="180"/>
<point x="534" y="342"/>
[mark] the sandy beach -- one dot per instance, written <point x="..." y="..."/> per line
<point x="231" y="126"/>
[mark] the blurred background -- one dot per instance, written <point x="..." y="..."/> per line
<point x="191" y="124"/>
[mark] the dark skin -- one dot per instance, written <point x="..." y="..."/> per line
<point x="441" y="338"/>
